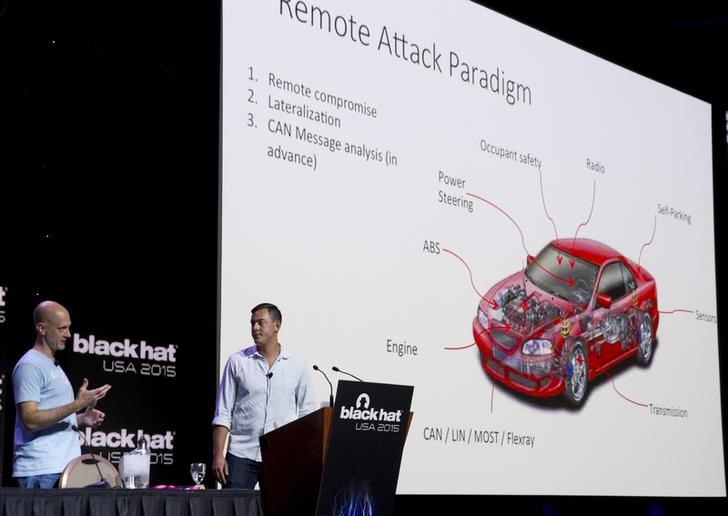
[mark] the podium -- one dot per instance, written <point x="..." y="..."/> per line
<point x="343" y="460"/>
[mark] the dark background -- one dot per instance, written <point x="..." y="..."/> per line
<point x="108" y="191"/>
<point x="109" y="174"/>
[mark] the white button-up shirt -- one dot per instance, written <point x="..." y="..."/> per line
<point x="253" y="399"/>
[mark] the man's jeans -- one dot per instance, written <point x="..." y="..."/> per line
<point x="39" y="481"/>
<point x="243" y="473"/>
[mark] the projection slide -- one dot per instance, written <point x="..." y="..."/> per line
<point x="438" y="196"/>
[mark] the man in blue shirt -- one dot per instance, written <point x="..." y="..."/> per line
<point x="263" y="387"/>
<point x="46" y="421"/>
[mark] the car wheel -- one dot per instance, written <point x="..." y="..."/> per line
<point x="646" y="340"/>
<point x="576" y="374"/>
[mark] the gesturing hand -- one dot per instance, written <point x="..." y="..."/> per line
<point x="88" y="397"/>
<point x="91" y="417"/>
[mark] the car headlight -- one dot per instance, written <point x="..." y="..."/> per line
<point x="482" y="318"/>
<point x="537" y="347"/>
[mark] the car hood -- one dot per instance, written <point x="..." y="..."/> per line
<point x="518" y="306"/>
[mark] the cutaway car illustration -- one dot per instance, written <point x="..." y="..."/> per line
<point x="578" y="309"/>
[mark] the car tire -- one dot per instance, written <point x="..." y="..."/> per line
<point x="645" y="340"/>
<point x="576" y="374"/>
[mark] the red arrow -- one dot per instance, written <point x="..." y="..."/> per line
<point x="675" y="311"/>
<point x="505" y="328"/>
<point x="523" y="242"/>
<point x="457" y="348"/>
<point x="470" y="274"/>
<point x="594" y="194"/>
<point x="569" y="281"/>
<point x="543" y="202"/>
<point x="622" y="395"/>
<point x="654" y="228"/>
<point x="571" y="263"/>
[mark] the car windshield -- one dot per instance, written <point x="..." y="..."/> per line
<point x="554" y="275"/>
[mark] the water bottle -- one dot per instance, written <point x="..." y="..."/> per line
<point x="136" y="465"/>
<point x="143" y="447"/>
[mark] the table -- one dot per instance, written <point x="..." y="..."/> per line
<point x="129" y="502"/>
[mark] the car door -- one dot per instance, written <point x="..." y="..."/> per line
<point x="613" y="321"/>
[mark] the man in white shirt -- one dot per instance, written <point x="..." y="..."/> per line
<point x="262" y="387"/>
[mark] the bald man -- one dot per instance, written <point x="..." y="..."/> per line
<point x="47" y="413"/>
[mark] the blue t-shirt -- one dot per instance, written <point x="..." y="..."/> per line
<point x="48" y="450"/>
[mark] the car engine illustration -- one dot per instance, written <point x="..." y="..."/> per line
<point x="578" y="309"/>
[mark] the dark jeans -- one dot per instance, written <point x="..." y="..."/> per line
<point x="39" y="481"/>
<point x="243" y="473"/>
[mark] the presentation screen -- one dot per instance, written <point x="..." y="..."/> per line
<point x="438" y="196"/>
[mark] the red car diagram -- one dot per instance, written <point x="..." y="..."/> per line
<point x="578" y="309"/>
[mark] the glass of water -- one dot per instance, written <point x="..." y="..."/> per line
<point x="197" y="470"/>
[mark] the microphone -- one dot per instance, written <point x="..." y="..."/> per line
<point x="344" y="372"/>
<point x="91" y="459"/>
<point x="331" y="387"/>
<point x="269" y="375"/>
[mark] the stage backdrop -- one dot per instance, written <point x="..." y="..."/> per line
<point x="111" y="174"/>
<point x="161" y="370"/>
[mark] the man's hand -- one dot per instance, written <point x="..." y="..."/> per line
<point x="220" y="469"/>
<point x="91" y="417"/>
<point x="35" y="418"/>
<point x="219" y="465"/>
<point x="88" y="397"/>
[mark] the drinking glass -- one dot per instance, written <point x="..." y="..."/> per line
<point x="197" y="470"/>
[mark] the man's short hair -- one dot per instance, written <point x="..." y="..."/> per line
<point x="273" y="312"/>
